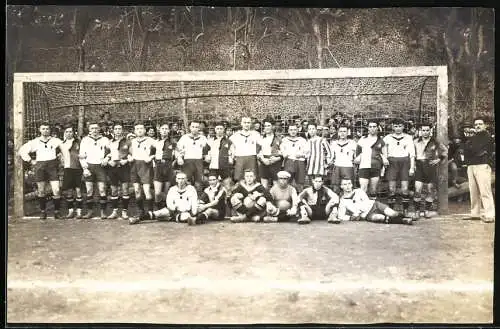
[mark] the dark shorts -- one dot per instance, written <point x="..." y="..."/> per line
<point x="340" y="173"/>
<point x="425" y="173"/>
<point x="318" y="213"/>
<point x="193" y="168"/>
<point x="141" y="172"/>
<point x="368" y="173"/>
<point x="243" y="163"/>
<point x="269" y="172"/>
<point x="297" y="170"/>
<point x="72" y="178"/>
<point x="163" y="172"/>
<point x="222" y="173"/>
<point x="98" y="173"/>
<point x="46" y="171"/>
<point x="398" y="169"/>
<point x="377" y="208"/>
<point x="119" y="175"/>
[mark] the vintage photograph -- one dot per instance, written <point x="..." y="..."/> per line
<point x="250" y="165"/>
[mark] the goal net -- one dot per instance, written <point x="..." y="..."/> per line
<point x="410" y="93"/>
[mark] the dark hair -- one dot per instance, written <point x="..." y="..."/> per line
<point x="116" y="123"/>
<point x="219" y="124"/>
<point x="342" y="126"/>
<point x="318" y="176"/>
<point x="248" y="170"/>
<point x="397" y="121"/>
<point x="269" y="120"/>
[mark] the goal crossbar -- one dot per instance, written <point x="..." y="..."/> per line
<point x="440" y="72"/>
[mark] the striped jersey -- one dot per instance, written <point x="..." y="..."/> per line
<point x="142" y="148"/>
<point x="319" y="157"/>
<point x="93" y="150"/>
<point x="70" y="150"/>
<point x="370" y="151"/>
<point x="119" y="148"/>
<point x="343" y="152"/>
<point x="45" y="150"/>
<point x="191" y="147"/>
<point x="270" y="145"/>
<point x="165" y="150"/>
<point x="399" y="146"/>
<point x="220" y="150"/>
<point x="294" y="148"/>
<point x="245" y="143"/>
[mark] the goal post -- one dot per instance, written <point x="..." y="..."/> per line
<point x="328" y="83"/>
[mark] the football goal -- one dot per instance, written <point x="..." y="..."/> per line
<point x="418" y="94"/>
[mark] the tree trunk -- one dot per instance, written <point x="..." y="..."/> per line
<point x="319" y="54"/>
<point x="81" y="86"/>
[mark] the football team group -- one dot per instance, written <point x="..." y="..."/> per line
<point x="247" y="176"/>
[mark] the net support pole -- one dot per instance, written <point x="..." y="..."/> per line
<point x="442" y="136"/>
<point x="18" y="94"/>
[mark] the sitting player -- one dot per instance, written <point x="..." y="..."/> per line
<point x="249" y="199"/>
<point x="318" y="202"/>
<point x="356" y="205"/>
<point x="181" y="204"/>
<point x="284" y="200"/>
<point x="212" y="202"/>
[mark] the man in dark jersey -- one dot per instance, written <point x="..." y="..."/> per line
<point x="249" y="199"/>
<point x="212" y="202"/>
<point x="119" y="171"/>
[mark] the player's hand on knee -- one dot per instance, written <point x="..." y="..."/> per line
<point x="292" y="211"/>
<point x="86" y="172"/>
<point x="412" y="171"/>
<point x="33" y="162"/>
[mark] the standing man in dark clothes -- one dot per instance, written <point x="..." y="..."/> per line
<point x="478" y="152"/>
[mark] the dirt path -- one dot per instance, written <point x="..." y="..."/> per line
<point x="108" y="271"/>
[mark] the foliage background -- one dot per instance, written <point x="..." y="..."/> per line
<point x="105" y="38"/>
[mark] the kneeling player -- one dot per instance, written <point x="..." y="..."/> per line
<point x="181" y="205"/>
<point x="318" y="202"/>
<point x="356" y="205"/>
<point x="212" y="203"/>
<point x="249" y="199"/>
<point x="284" y="200"/>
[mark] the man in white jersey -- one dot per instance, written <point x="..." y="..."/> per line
<point x="401" y="157"/>
<point x="320" y="155"/>
<point x="141" y="171"/>
<point x="72" y="179"/>
<point x="284" y="202"/>
<point x="164" y="164"/>
<point x="344" y="151"/>
<point x="192" y="149"/>
<point x="295" y="150"/>
<point x="45" y="166"/>
<point x="181" y="203"/>
<point x="269" y="156"/>
<point x="246" y="145"/>
<point x="356" y="205"/>
<point x="371" y="158"/>
<point x="94" y="149"/>
<point x="118" y="170"/>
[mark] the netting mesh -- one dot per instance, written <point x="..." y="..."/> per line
<point x="411" y="98"/>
